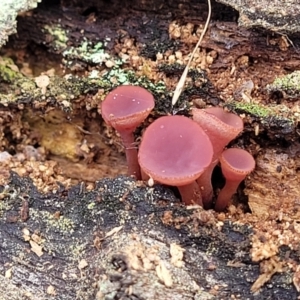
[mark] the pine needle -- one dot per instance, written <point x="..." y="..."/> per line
<point x="181" y="82"/>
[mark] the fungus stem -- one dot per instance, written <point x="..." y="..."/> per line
<point x="225" y="194"/>
<point x="204" y="182"/>
<point x="131" y="154"/>
<point x="236" y="164"/>
<point x="190" y="194"/>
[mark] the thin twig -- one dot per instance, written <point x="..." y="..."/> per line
<point x="181" y="82"/>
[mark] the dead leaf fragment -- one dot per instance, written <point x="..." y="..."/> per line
<point x="113" y="231"/>
<point x="82" y="264"/>
<point x="296" y="279"/>
<point x="36" y="238"/>
<point x="164" y="274"/>
<point x="8" y="273"/>
<point x="176" y="255"/>
<point x="51" y="290"/>
<point x="268" y="268"/>
<point x="37" y="249"/>
<point x="42" y="82"/>
<point x="26" y="234"/>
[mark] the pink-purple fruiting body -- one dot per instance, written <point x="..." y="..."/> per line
<point x="176" y="151"/>
<point x="221" y="127"/>
<point x="125" y="108"/>
<point x="236" y="164"/>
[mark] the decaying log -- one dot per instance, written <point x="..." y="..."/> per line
<point x="66" y="31"/>
<point x="82" y="244"/>
<point x="121" y="239"/>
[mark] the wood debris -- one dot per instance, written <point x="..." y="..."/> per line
<point x="176" y="255"/>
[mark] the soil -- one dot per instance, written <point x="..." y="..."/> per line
<point x="74" y="226"/>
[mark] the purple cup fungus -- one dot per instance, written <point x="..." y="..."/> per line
<point x="125" y="108"/>
<point x="236" y="164"/>
<point x="175" y="151"/>
<point x="221" y="127"/>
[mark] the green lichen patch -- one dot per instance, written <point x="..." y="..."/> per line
<point x="64" y="90"/>
<point x="288" y="85"/>
<point x="89" y="53"/>
<point x="118" y="76"/>
<point x="71" y="87"/>
<point x="61" y="90"/>
<point x="59" y="224"/>
<point x="58" y="36"/>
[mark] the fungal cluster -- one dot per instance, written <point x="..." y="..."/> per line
<point x="177" y="150"/>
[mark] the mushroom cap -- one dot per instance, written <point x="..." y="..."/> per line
<point x="227" y="118"/>
<point x="175" y="150"/>
<point x="220" y="126"/>
<point x="126" y="107"/>
<point x="236" y="164"/>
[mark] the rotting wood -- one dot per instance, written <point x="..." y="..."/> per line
<point x="231" y="44"/>
<point x="274" y="185"/>
<point x="131" y="254"/>
<point x="216" y="250"/>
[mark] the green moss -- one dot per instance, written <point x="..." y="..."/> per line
<point x="65" y="89"/>
<point x="277" y="120"/>
<point x="8" y="70"/>
<point x="60" y="89"/>
<point x="253" y="109"/>
<point x="59" y="36"/>
<point x="72" y="87"/>
<point x="289" y="84"/>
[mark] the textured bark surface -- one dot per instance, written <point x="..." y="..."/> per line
<point x="112" y="242"/>
<point x="281" y="16"/>
<point x="99" y="246"/>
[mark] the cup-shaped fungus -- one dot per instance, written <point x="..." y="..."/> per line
<point x="125" y="108"/>
<point x="236" y="164"/>
<point x="175" y="151"/>
<point x="221" y="127"/>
